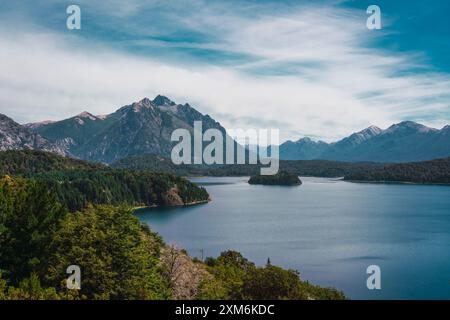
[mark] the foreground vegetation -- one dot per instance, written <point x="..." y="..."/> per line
<point x="119" y="257"/>
<point x="56" y="212"/>
<point x="434" y="171"/>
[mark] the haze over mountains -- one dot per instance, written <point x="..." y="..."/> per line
<point x="145" y="127"/>
<point x="403" y="142"/>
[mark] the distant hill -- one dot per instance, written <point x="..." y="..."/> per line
<point x="434" y="171"/>
<point x="318" y="168"/>
<point x="403" y="142"/>
<point x="19" y="162"/>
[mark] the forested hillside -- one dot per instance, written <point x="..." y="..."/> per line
<point x="434" y="171"/>
<point x="30" y="161"/>
<point x="317" y="168"/>
<point x="78" y="188"/>
<point x="78" y="183"/>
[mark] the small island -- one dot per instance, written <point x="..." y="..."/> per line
<point x="282" y="178"/>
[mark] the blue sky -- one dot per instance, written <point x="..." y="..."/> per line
<point x="310" y="68"/>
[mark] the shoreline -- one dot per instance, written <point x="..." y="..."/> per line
<point x="192" y="203"/>
<point x="341" y="179"/>
<point x="399" y="182"/>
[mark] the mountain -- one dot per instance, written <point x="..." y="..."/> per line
<point x="78" y="129"/>
<point x="35" y="125"/>
<point x="14" y="136"/>
<point x="356" y="139"/>
<point x="403" y="142"/>
<point x="143" y="127"/>
<point x="304" y="149"/>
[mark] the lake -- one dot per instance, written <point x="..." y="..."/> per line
<point x="328" y="229"/>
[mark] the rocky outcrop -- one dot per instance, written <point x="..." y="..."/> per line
<point x="182" y="273"/>
<point x="14" y="136"/>
<point x="172" y="198"/>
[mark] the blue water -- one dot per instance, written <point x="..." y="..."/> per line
<point x="329" y="230"/>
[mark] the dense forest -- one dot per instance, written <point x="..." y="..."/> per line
<point x="118" y="256"/>
<point x="77" y="183"/>
<point x="316" y="168"/>
<point x="282" y="178"/>
<point x="26" y="162"/>
<point x="77" y="188"/>
<point x="434" y="171"/>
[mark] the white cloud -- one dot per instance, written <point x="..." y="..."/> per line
<point x="340" y="86"/>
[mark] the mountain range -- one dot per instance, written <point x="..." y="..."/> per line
<point x="145" y="127"/>
<point x="403" y="142"/>
<point x="142" y="127"/>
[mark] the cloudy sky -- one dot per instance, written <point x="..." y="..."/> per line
<point x="309" y="68"/>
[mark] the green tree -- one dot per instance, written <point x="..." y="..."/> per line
<point x="117" y="256"/>
<point x="29" y="218"/>
<point x="230" y="268"/>
<point x="211" y="289"/>
<point x="272" y="283"/>
<point x="31" y="289"/>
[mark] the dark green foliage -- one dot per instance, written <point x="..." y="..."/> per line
<point x="273" y="282"/>
<point x="230" y="268"/>
<point x="29" y="218"/>
<point x="28" y="289"/>
<point x="434" y="171"/>
<point x="38" y="241"/>
<point x="77" y="188"/>
<point x="160" y="164"/>
<point x="117" y="256"/>
<point x="241" y="279"/>
<point x="21" y="162"/>
<point x="77" y="183"/>
<point x="316" y="168"/>
<point x="282" y="178"/>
